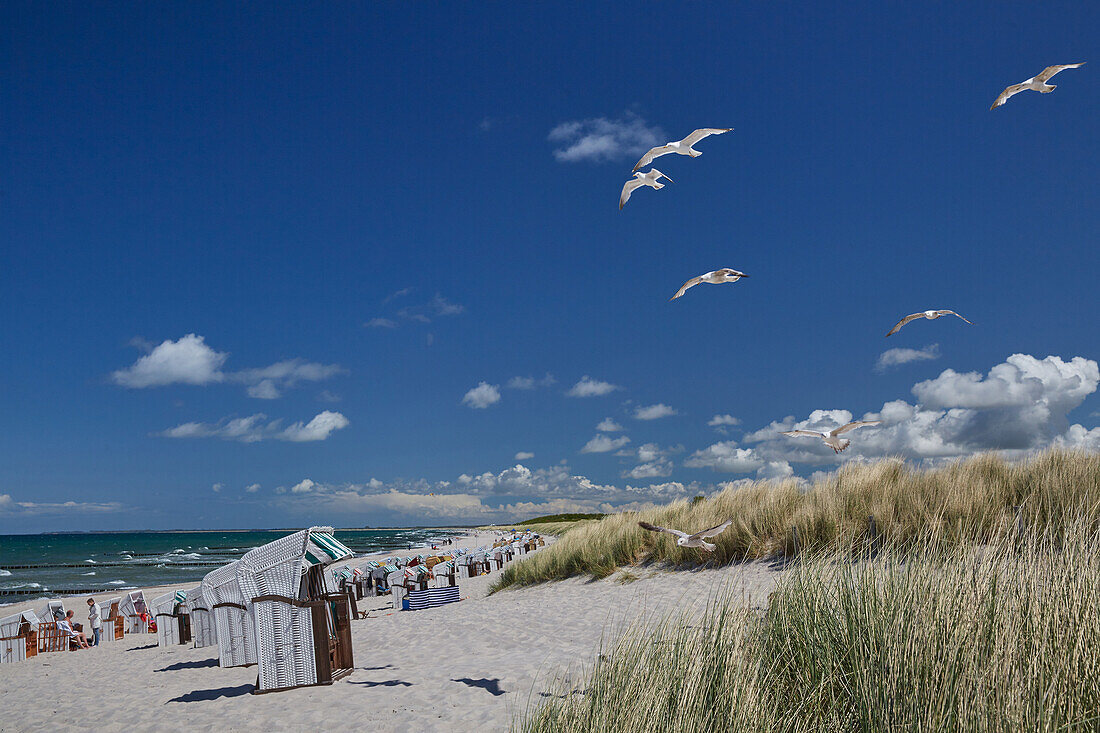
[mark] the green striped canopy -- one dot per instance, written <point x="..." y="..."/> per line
<point x="324" y="549"/>
<point x="181" y="596"/>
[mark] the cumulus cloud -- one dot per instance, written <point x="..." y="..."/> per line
<point x="524" y="455"/>
<point x="653" y="412"/>
<point x="217" y="488"/>
<point x="186" y="361"/>
<point x="254" y="428"/>
<point x="722" y="421"/>
<point x="531" y="382"/>
<point x="190" y="361"/>
<point x="725" y="456"/>
<point x="319" y="428"/>
<point x="604" y="444"/>
<point x="482" y="396"/>
<point x="897" y="357"/>
<point x="600" y="139"/>
<point x="1020" y="405"/>
<point x="252" y="488"/>
<point x="659" y="468"/>
<point x="607" y="425"/>
<point x="303" y="487"/>
<point x="589" y="387"/>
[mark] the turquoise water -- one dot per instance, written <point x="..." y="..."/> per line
<point x="79" y="563"/>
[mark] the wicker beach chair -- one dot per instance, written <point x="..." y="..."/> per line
<point x="113" y="624"/>
<point x="173" y="624"/>
<point x="303" y="630"/>
<point x="135" y="612"/>
<point x="202" y="619"/>
<point x="232" y="622"/>
<point x="18" y="636"/>
<point x="52" y="611"/>
<point x="445" y="574"/>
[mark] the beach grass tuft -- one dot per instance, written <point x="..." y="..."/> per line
<point x="966" y="502"/>
<point x="1003" y="637"/>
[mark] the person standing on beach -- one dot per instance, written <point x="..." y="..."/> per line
<point x="94" y="621"/>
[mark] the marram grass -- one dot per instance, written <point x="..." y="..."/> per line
<point x="925" y="638"/>
<point x="971" y="501"/>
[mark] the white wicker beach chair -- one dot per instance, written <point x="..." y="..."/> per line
<point x="232" y="622"/>
<point x="135" y="612"/>
<point x="113" y="625"/>
<point x="52" y="611"/>
<point x="18" y="636"/>
<point x="173" y="626"/>
<point x="303" y="632"/>
<point x="202" y="619"/>
<point x="445" y="574"/>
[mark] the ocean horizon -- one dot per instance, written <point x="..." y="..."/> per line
<point x="55" y="564"/>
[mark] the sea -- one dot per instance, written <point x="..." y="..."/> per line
<point x="39" y="566"/>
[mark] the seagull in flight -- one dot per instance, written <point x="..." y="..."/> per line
<point x="1037" y="83"/>
<point x="683" y="539"/>
<point x="714" y="277"/>
<point x="831" y="437"/>
<point x="930" y="315"/>
<point x="681" y="147"/>
<point x="650" y="178"/>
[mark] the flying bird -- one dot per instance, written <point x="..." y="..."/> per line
<point x="1036" y="83"/>
<point x="681" y="147"/>
<point x="650" y="178"/>
<point x="831" y="437"/>
<point x="930" y="315"/>
<point x="714" y="277"/>
<point x="683" y="539"/>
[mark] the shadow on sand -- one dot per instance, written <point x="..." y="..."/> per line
<point x="491" y="686"/>
<point x="189" y="665"/>
<point x="385" y="683"/>
<point x="205" y="695"/>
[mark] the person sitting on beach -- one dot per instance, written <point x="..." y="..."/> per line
<point x="65" y="626"/>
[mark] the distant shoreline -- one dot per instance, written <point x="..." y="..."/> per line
<point x="229" y="531"/>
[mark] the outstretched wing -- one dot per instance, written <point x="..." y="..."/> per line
<point x="1052" y="70"/>
<point x="628" y="188"/>
<point x="801" y="433"/>
<point x="689" y="284"/>
<point x="656" y="152"/>
<point x="853" y="425"/>
<point x="902" y="322"/>
<point x="1008" y="92"/>
<point x="655" y="528"/>
<point x="713" y="531"/>
<point x="702" y="133"/>
<point x="953" y="313"/>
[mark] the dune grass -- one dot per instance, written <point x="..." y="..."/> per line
<point x="962" y="503"/>
<point x="928" y="637"/>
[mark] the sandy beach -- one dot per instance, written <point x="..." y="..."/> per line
<point x="472" y="665"/>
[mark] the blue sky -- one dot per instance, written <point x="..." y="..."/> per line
<point x="282" y="248"/>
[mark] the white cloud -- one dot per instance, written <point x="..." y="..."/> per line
<point x="896" y="357"/>
<point x="524" y="455"/>
<point x="600" y="139"/>
<point x="482" y="396"/>
<point x="653" y="412"/>
<point x="437" y="307"/>
<point x="190" y="361"/>
<point x="1019" y="406"/>
<point x="607" y="425"/>
<point x="252" y="488"/>
<point x="254" y="428"/>
<point x="381" y="323"/>
<point x="319" y="428"/>
<point x="11" y="507"/>
<point x="725" y="456"/>
<point x="531" y="382"/>
<point x="722" y="421"/>
<point x="303" y="487"/>
<point x="604" y="444"/>
<point x="217" y="487"/>
<point x="658" y="467"/>
<point x="186" y="361"/>
<point x="589" y="387"/>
